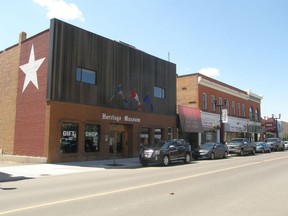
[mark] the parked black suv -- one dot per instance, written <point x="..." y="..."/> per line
<point x="275" y="144"/>
<point x="166" y="152"/>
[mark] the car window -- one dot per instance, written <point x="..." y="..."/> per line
<point x="179" y="143"/>
<point x="207" y="145"/>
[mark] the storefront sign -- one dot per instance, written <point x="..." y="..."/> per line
<point x="119" y="118"/>
<point x="190" y="119"/>
<point x="91" y="134"/>
<point x="224" y="115"/>
<point x="69" y="134"/>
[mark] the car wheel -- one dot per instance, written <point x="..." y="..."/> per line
<point x="187" y="158"/>
<point x="225" y="154"/>
<point x="212" y="156"/>
<point x="145" y="164"/>
<point x="241" y="152"/>
<point x="165" y="160"/>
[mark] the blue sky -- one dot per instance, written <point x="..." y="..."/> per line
<point x="243" y="43"/>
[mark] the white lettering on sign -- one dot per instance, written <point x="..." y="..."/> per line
<point x="111" y="117"/>
<point x="119" y="118"/>
<point x="69" y="134"/>
<point x="128" y="119"/>
<point x="91" y="134"/>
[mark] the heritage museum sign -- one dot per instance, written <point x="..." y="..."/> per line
<point x="117" y="118"/>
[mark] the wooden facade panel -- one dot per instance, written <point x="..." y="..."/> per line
<point x="114" y="62"/>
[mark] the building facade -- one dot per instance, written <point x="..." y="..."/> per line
<point x="71" y="95"/>
<point x="273" y="127"/>
<point x="220" y="108"/>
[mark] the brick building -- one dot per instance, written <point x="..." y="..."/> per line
<point x="71" y="95"/>
<point x="273" y="127"/>
<point x="203" y="97"/>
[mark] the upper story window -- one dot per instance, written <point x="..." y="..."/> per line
<point x="213" y="109"/>
<point x="243" y="110"/>
<point x="251" y="113"/>
<point x="159" y="92"/>
<point x="233" y="108"/>
<point x="257" y="116"/>
<point x="227" y="105"/>
<point x="204" y="97"/>
<point x="86" y="76"/>
<point x="220" y="101"/>
<point x="239" y="109"/>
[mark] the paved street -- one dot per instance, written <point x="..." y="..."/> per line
<point x="250" y="185"/>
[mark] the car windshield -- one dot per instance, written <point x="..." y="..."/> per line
<point x="207" y="145"/>
<point x="161" y="144"/>
<point x="236" y="142"/>
<point x="271" y="140"/>
<point x="259" y="144"/>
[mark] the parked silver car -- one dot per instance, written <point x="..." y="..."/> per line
<point x="210" y="151"/>
<point x="285" y="144"/>
<point x="262" y="147"/>
<point x="275" y="144"/>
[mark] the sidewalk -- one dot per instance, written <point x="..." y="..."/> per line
<point x="12" y="171"/>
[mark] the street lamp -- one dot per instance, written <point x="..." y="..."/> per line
<point x="221" y="121"/>
<point x="275" y="119"/>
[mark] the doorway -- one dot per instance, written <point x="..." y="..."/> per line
<point x="118" y="145"/>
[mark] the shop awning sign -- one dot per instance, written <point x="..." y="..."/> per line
<point x="190" y="119"/>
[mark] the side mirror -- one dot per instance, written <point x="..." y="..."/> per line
<point x="172" y="147"/>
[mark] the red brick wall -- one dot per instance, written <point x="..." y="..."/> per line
<point x="31" y="103"/>
<point x="81" y="114"/>
<point x="223" y="95"/>
<point x="9" y="67"/>
<point x="188" y="91"/>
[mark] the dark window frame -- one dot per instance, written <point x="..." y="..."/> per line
<point x="69" y="140"/>
<point x="93" y="146"/>
<point x="86" y="75"/>
<point x="159" y="92"/>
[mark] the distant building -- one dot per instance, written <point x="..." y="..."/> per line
<point x="284" y="132"/>
<point x="199" y="100"/>
<point x="71" y="95"/>
<point x="272" y="127"/>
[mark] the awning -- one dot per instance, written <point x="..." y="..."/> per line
<point x="190" y="119"/>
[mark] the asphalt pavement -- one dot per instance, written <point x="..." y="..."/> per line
<point x="11" y="171"/>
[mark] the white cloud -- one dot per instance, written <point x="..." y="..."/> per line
<point x="61" y="9"/>
<point x="210" y="72"/>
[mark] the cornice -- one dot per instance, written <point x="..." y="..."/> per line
<point x="222" y="88"/>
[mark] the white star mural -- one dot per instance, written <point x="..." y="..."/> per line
<point x="30" y="70"/>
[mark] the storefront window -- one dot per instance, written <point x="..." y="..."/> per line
<point x="209" y="136"/>
<point x="157" y="135"/>
<point x="170" y="133"/>
<point x="144" y="136"/>
<point x="69" y="138"/>
<point x="92" y="138"/>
